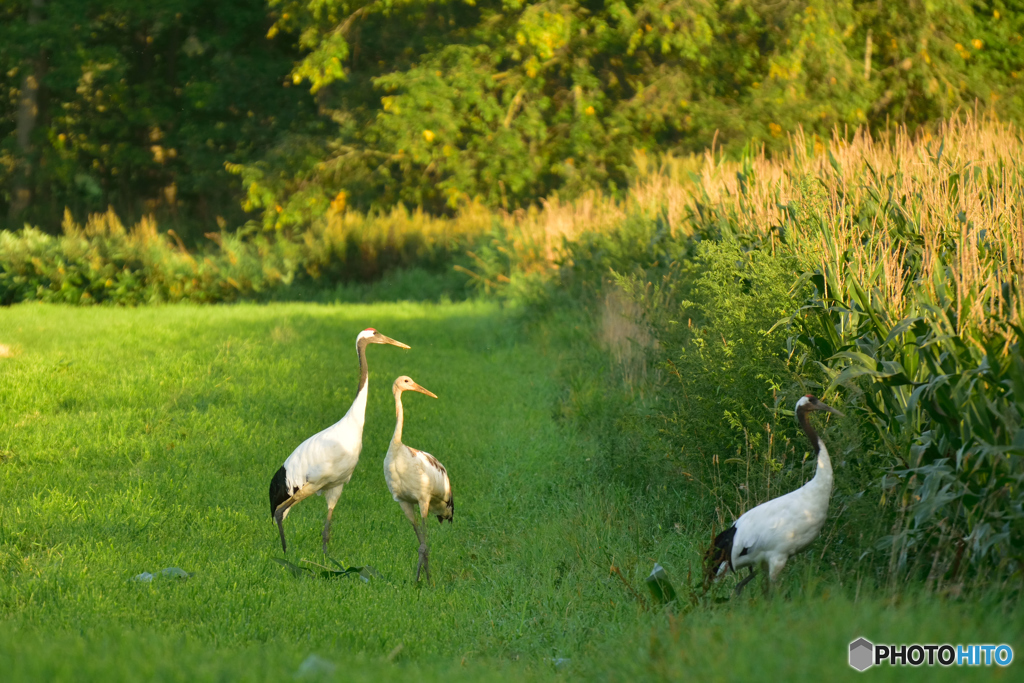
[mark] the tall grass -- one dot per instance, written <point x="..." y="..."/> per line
<point x="937" y="216"/>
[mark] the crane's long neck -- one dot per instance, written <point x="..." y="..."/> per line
<point x="358" y="409"/>
<point x="397" y="438"/>
<point x="823" y="476"/>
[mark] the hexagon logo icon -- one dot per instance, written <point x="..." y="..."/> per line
<point x="861" y="654"/>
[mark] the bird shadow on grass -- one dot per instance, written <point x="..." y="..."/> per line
<point x="365" y="573"/>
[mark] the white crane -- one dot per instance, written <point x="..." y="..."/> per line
<point x="774" y="531"/>
<point x="324" y="462"/>
<point x="417" y="478"/>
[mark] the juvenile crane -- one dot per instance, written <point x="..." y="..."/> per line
<point x="324" y="462"/>
<point x="774" y="531"/>
<point x="417" y="478"/>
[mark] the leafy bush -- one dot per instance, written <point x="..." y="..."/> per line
<point x="102" y="262"/>
<point x="726" y="378"/>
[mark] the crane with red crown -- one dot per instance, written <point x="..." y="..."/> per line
<point x="324" y="462"/>
<point x="776" y="530"/>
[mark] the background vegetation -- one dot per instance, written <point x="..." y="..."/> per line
<point x="883" y="275"/>
<point x="886" y="270"/>
<point x="683" y="218"/>
<point x="137" y="107"/>
<point x="432" y="105"/>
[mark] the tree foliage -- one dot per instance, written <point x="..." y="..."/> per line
<point x="321" y="105"/>
<point x="435" y="103"/>
<point x="140" y="104"/>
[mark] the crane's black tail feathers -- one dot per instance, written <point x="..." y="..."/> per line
<point x="449" y="511"/>
<point x="719" y="552"/>
<point x="278" y="490"/>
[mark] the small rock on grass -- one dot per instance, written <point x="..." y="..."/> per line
<point x="315" y="665"/>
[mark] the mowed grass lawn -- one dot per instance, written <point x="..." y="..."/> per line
<point x="137" y="439"/>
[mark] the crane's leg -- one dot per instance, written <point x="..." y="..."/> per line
<point x="424" y="548"/>
<point x="744" y="582"/>
<point x="410" y="513"/>
<point x="332" y="496"/>
<point x="279" y="518"/>
<point x="282" y="510"/>
<point x="775" y="565"/>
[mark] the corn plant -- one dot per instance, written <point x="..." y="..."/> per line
<point x="946" y="404"/>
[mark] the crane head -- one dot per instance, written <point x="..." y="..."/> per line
<point x="811" y="402"/>
<point x="405" y="383"/>
<point x="372" y="336"/>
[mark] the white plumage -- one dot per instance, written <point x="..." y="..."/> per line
<point x="774" y="531"/>
<point x="415" y="477"/>
<point x="324" y="462"/>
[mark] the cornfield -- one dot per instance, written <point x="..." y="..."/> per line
<point x="914" y="247"/>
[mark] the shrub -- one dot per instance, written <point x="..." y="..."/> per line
<point x="103" y="262"/>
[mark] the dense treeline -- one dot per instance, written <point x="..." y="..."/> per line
<point x="136" y="106"/>
<point x="320" y="105"/>
<point x="509" y="101"/>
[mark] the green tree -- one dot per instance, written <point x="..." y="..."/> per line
<point x="504" y="101"/>
<point x="138" y="106"/>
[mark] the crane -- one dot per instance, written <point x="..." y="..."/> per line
<point x="324" y="462"/>
<point x="415" y="477"/>
<point x="774" y="531"/>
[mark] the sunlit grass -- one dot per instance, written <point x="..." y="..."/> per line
<point x="137" y="439"/>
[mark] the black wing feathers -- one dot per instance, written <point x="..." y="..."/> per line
<point x="278" y="490"/>
<point x="719" y="552"/>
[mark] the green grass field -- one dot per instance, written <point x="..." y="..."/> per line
<point x="137" y="439"/>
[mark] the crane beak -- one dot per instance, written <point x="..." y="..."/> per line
<point x="389" y="340"/>
<point x="417" y="387"/>
<point x="832" y="410"/>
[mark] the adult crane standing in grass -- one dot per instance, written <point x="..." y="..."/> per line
<point x="774" y="531"/>
<point x="416" y="478"/>
<point x="324" y="462"/>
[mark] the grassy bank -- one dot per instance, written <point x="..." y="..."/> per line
<point x="137" y="439"/>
